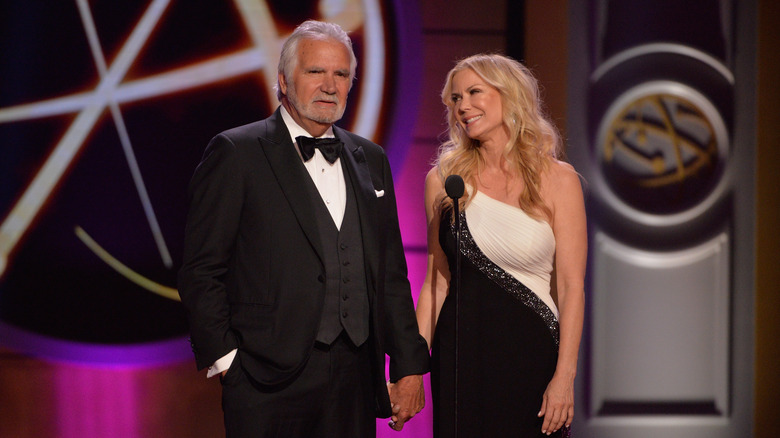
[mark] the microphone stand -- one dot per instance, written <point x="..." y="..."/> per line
<point x="455" y="187"/>
<point x="456" y="207"/>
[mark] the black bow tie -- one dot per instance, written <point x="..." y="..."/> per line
<point x="330" y="147"/>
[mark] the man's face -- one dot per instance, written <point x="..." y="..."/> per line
<point x="317" y="91"/>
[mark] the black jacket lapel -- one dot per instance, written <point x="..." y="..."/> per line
<point x="293" y="179"/>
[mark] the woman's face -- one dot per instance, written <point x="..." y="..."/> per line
<point x="477" y="108"/>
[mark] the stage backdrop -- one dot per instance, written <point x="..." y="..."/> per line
<point x="105" y="110"/>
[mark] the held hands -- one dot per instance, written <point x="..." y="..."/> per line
<point x="557" y="404"/>
<point x="407" y="398"/>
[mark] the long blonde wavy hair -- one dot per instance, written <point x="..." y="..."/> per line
<point x="534" y="141"/>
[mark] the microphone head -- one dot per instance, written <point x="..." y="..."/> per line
<point x="454" y="186"/>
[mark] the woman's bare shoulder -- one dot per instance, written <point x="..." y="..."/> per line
<point x="433" y="179"/>
<point x="559" y="181"/>
<point x="560" y="173"/>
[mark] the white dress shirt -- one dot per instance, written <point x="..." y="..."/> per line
<point x="329" y="180"/>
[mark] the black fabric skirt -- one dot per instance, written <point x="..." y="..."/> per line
<point x="506" y="354"/>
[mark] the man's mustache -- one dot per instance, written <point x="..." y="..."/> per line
<point x="329" y="99"/>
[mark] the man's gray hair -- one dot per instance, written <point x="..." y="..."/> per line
<point x="313" y="30"/>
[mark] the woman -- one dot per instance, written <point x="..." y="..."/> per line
<point x="522" y="215"/>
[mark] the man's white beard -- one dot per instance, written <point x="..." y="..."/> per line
<point x="305" y="111"/>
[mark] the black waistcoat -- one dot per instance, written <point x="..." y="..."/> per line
<point x="346" y="294"/>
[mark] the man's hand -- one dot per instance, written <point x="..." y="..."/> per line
<point x="407" y="398"/>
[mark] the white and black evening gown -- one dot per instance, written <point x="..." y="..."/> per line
<point x="508" y="324"/>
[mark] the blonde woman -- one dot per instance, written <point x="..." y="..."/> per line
<point x="522" y="215"/>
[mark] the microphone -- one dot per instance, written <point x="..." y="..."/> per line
<point x="455" y="187"/>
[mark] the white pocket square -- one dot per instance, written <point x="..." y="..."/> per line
<point x="379" y="193"/>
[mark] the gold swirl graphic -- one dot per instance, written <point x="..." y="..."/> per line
<point x="666" y="136"/>
<point x="124" y="270"/>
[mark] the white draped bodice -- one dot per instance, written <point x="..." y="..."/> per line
<point x="522" y="246"/>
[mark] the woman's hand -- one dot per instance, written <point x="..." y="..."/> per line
<point x="557" y="404"/>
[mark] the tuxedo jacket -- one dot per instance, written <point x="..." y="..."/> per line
<point x="253" y="277"/>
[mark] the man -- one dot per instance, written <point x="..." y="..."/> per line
<point x="294" y="277"/>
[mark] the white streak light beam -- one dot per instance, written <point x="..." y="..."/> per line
<point x="39" y="190"/>
<point x="124" y="137"/>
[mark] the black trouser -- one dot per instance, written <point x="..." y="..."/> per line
<point x="332" y="397"/>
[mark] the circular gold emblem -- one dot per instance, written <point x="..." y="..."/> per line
<point x="662" y="148"/>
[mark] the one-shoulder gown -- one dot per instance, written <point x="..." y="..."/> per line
<point x="507" y="327"/>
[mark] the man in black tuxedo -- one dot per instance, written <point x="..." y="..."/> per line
<point x="294" y="277"/>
